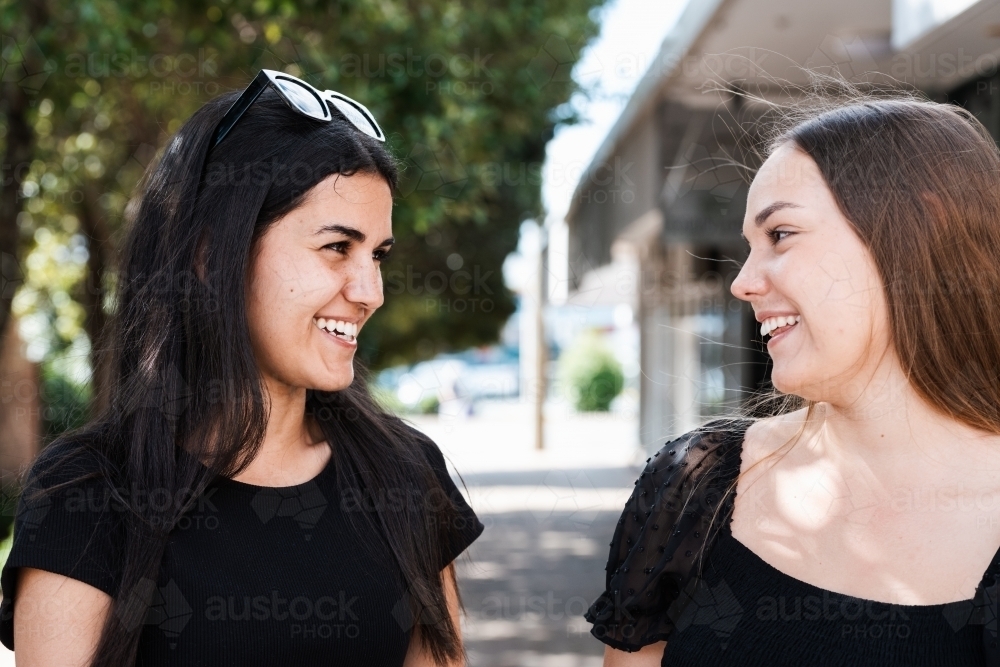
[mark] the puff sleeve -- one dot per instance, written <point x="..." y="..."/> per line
<point x="660" y="536"/>
<point x="465" y="527"/>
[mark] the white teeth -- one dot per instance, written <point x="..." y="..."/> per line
<point x="772" y="323"/>
<point x="347" y="330"/>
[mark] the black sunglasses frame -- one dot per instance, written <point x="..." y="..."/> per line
<point x="324" y="99"/>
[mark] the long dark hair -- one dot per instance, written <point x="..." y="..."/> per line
<point x="186" y="402"/>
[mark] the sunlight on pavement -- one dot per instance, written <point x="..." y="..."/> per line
<point x="500" y="437"/>
<point x="549" y="515"/>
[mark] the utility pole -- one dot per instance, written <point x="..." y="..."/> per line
<point x="533" y="357"/>
<point x="541" y="349"/>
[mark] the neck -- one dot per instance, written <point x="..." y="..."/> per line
<point x="288" y="432"/>
<point x="887" y="426"/>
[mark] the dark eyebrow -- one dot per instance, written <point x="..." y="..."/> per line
<point x="351" y="233"/>
<point x="762" y="217"/>
<point x="766" y="212"/>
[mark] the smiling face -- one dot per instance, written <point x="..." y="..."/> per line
<point x="812" y="281"/>
<point x="319" y="265"/>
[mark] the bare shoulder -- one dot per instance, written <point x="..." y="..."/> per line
<point x="768" y="435"/>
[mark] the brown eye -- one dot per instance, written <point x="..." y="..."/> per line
<point x="773" y="234"/>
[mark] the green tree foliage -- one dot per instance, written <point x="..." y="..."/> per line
<point x="468" y="92"/>
<point x="590" y="373"/>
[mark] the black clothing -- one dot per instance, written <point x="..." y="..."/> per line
<point x="251" y="576"/>
<point x="748" y="613"/>
<point x="739" y="610"/>
<point x="660" y="535"/>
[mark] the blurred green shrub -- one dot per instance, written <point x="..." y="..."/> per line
<point x="429" y="405"/>
<point x="590" y="373"/>
<point x="389" y="401"/>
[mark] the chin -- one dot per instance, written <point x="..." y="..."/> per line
<point x="336" y="383"/>
<point x="789" y="383"/>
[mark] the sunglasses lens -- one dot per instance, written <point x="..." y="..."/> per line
<point x="357" y="114"/>
<point x="302" y="96"/>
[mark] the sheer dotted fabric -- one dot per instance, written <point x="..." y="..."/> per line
<point x="664" y="529"/>
<point x="679" y="507"/>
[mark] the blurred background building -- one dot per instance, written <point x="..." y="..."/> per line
<point x="665" y="188"/>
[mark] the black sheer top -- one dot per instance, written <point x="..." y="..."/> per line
<point x="676" y="574"/>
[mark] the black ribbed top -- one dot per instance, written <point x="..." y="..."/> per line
<point x="252" y="576"/>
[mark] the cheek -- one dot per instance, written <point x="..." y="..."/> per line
<point x="839" y="296"/>
<point x="275" y="285"/>
<point x="285" y="295"/>
<point x="817" y="287"/>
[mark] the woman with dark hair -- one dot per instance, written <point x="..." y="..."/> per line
<point x="860" y="525"/>
<point x="243" y="500"/>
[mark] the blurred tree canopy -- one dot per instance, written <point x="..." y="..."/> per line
<point x="468" y="93"/>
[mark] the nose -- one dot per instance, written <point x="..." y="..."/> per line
<point x="364" y="285"/>
<point x="750" y="282"/>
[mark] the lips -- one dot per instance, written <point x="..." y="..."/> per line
<point x="780" y="333"/>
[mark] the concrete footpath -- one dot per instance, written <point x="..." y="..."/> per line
<point x="549" y="516"/>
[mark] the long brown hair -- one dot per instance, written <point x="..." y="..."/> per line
<point x="919" y="182"/>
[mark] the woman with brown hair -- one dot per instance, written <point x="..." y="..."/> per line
<point x="862" y="527"/>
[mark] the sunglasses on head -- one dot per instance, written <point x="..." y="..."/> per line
<point x="301" y="97"/>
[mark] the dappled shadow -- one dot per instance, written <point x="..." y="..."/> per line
<point x="527" y="582"/>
